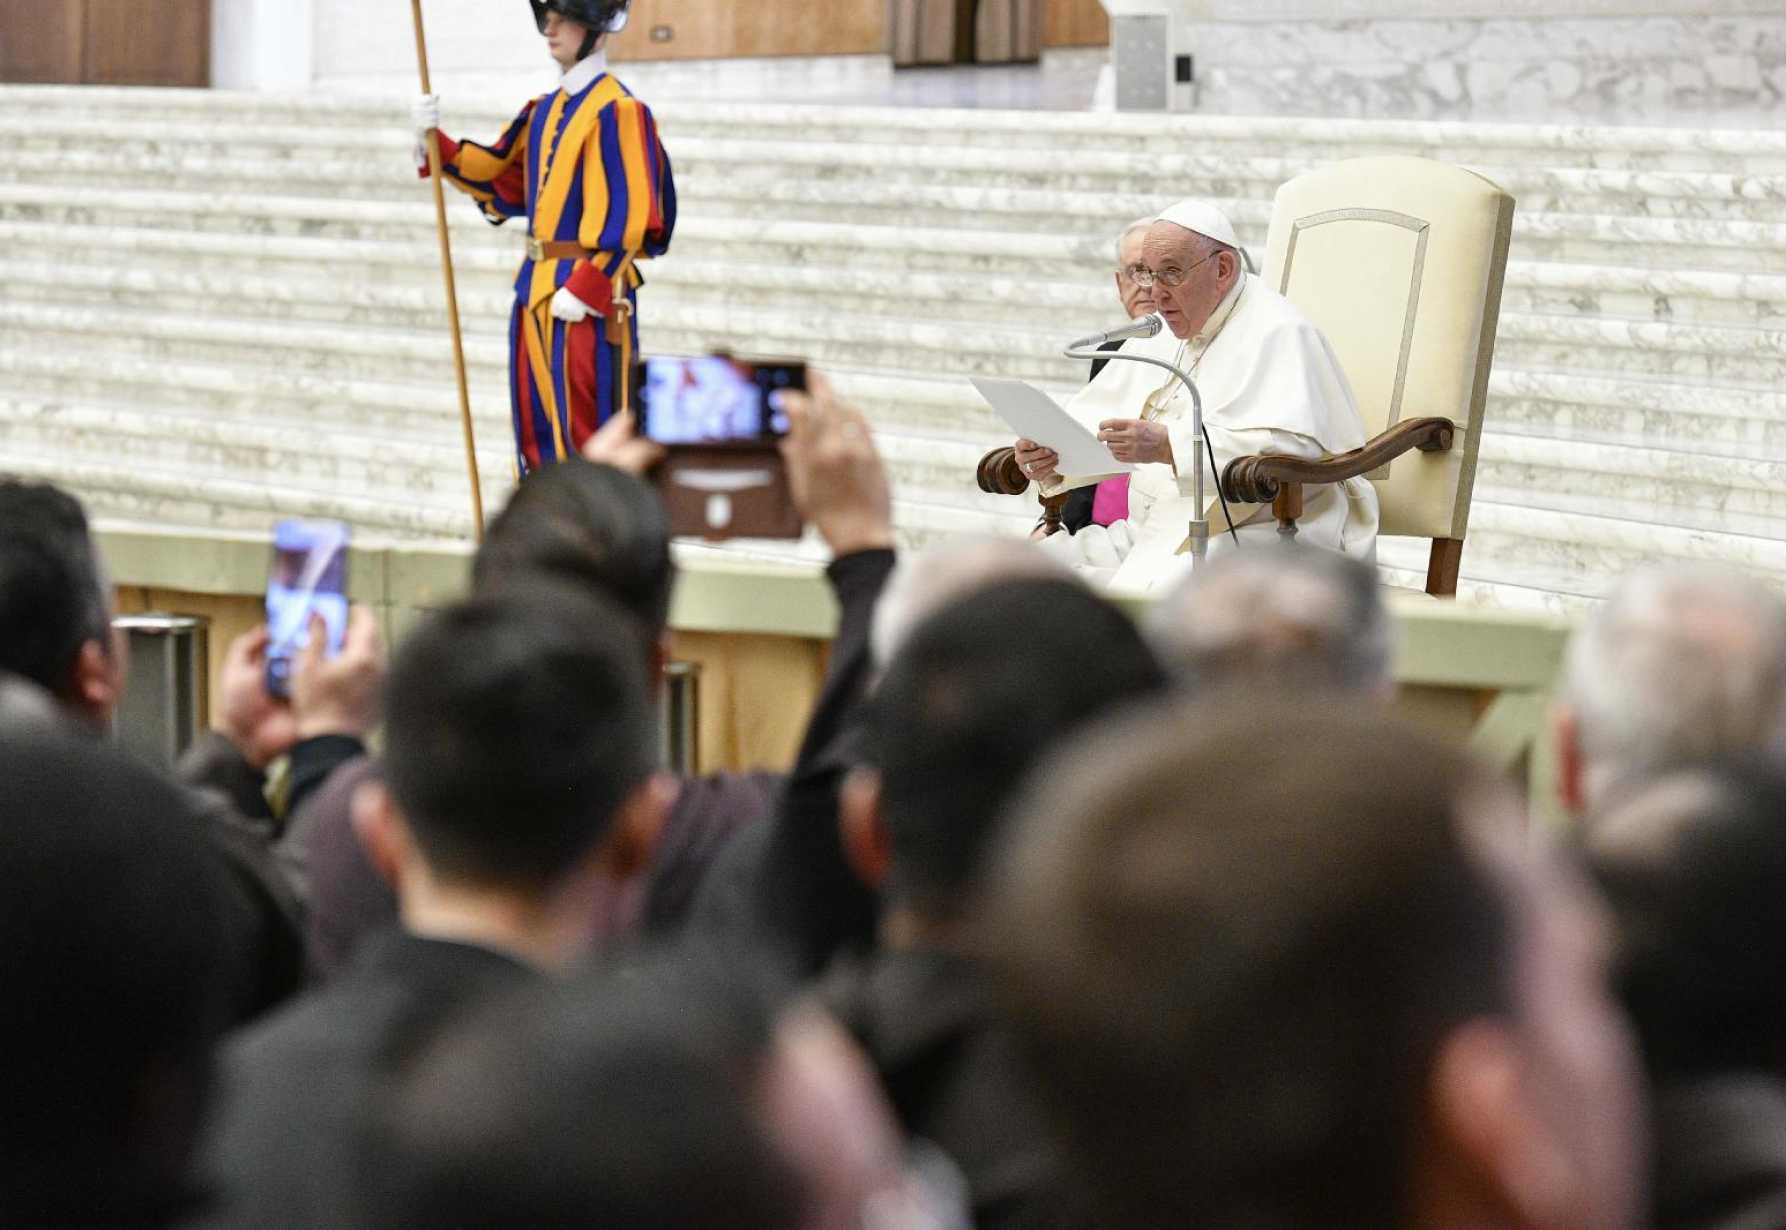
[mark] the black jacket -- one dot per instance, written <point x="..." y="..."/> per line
<point x="1720" y="1154"/>
<point x="784" y="898"/>
<point x="284" y="1147"/>
<point x="949" y="1070"/>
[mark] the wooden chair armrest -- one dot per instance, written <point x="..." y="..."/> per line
<point x="999" y="473"/>
<point x="1255" y="479"/>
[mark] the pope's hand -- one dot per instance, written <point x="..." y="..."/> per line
<point x="1136" y="440"/>
<point x="566" y="306"/>
<point x="1036" y="461"/>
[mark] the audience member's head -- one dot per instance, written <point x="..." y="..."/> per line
<point x="654" y="1098"/>
<point x="1681" y="663"/>
<point x="520" y="742"/>
<point x="1294" y="966"/>
<point x="55" y="606"/>
<point x="621" y="1101"/>
<point x="1694" y="867"/>
<point x="1137" y="300"/>
<point x="925" y="583"/>
<point x="589" y="524"/>
<point x="113" y="989"/>
<point x="1296" y="620"/>
<point x="974" y="697"/>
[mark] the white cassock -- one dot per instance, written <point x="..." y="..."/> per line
<point x="1270" y="384"/>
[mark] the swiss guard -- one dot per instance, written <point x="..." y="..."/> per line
<point x="584" y="166"/>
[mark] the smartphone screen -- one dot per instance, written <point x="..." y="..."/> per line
<point x="713" y="399"/>
<point x="308" y="577"/>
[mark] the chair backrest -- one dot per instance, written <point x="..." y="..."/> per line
<point x="1400" y="262"/>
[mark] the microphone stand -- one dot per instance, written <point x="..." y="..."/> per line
<point x="1199" y="527"/>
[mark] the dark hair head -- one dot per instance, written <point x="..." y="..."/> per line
<point x="1233" y="940"/>
<point x="625" y="1100"/>
<point x="589" y="524"/>
<point x="112" y="972"/>
<point x="971" y="700"/>
<point x="52" y="599"/>
<point x="516" y="725"/>
<point x="1694" y="868"/>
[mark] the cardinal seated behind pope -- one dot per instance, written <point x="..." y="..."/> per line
<point x="1269" y="382"/>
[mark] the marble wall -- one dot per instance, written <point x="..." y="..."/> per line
<point x="1613" y="62"/>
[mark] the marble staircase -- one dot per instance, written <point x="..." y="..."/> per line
<point x="218" y="309"/>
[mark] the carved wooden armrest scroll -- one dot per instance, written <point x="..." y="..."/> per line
<point x="999" y="474"/>
<point x="1256" y="479"/>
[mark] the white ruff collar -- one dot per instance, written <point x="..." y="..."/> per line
<point x="585" y="71"/>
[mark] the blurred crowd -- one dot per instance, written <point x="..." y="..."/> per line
<point x="1059" y="919"/>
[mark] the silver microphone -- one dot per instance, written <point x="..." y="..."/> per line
<point x="1145" y="326"/>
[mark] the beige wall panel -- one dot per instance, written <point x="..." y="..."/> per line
<point x="715" y="29"/>
<point x="757" y="693"/>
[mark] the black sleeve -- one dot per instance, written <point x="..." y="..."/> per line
<point x="312" y="760"/>
<point x="1075" y="514"/>
<point x="807" y="900"/>
<point x="216" y="764"/>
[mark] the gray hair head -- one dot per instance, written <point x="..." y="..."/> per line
<point x="925" y="583"/>
<point x="1278" y="617"/>
<point x="1682" y="662"/>
<point x="1139" y="224"/>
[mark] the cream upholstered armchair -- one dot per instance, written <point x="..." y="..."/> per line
<point x="1399" y="261"/>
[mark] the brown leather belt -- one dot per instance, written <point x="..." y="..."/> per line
<point x="555" y="250"/>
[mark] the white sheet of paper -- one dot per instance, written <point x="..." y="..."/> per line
<point x="1034" y="415"/>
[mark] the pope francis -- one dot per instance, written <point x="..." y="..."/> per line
<point x="1269" y="383"/>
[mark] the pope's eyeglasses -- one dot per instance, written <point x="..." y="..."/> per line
<point x="1171" y="279"/>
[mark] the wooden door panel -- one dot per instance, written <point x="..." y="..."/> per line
<point x="717" y="29"/>
<point x="40" y="41"/>
<point x="1075" y="23"/>
<point x="147" y="42"/>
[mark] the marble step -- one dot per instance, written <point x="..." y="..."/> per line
<point x="1529" y="422"/>
<point x="1704" y="354"/>
<point x="1663" y="243"/>
<point x="121" y="490"/>
<point x="1575" y="556"/>
<point x="232" y="367"/>
<point x="134" y="466"/>
<point x="406" y="469"/>
<point x="150" y="324"/>
<point x="836" y="181"/>
<point x="418" y="460"/>
<point x="1620" y="147"/>
<point x="709" y="264"/>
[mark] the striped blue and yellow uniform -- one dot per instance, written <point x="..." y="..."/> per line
<point x="584" y="168"/>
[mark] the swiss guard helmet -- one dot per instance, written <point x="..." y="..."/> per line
<point x="600" y="16"/>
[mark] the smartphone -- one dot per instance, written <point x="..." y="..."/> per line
<point x="713" y="400"/>
<point x="308" y="577"/>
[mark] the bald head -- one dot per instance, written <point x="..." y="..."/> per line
<point x="927" y="582"/>
<point x="1297" y="617"/>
